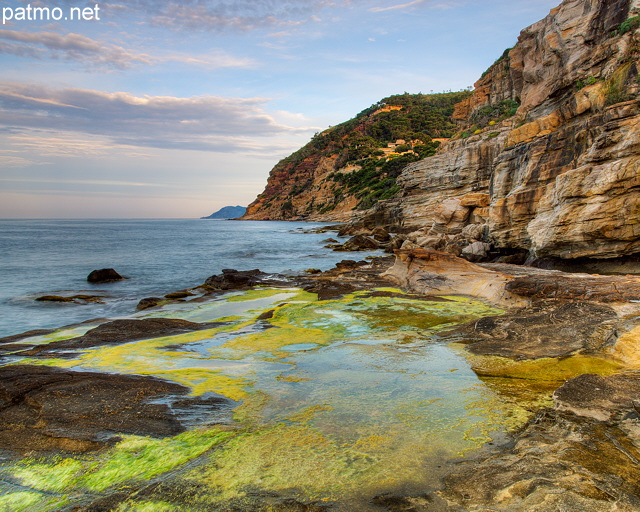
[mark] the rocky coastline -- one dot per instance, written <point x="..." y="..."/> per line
<point x="575" y="333"/>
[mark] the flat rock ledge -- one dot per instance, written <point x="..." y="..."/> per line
<point x="44" y="409"/>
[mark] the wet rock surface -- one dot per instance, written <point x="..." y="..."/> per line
<point x="582" y="454"/>
<point x="44" y="409"/>
<point x="113" y="333"/>
<point x="562" y="460"/>
<point x="232" y="279"/>
<point x="346" y="277"/>
<point x="545" y="329"/>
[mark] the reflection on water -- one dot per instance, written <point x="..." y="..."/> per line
<point x="341" y="400"/>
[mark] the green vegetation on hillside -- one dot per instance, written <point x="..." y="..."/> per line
<point x="414" y="119"/>
<point x="503" y="110"/>
<point x="629" y="25"/>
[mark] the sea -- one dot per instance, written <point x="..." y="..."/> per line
<point x="54" y="257"/>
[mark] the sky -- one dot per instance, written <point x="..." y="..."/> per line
<point x="152" y="109"/>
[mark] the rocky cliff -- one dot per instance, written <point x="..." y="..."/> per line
<point x="559" y="179"/>
<point x="350" y="167"/>
<point x="546" y="160"/>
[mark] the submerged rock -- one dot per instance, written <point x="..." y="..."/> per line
<point x="77" y="299"/>
<point x="149" y="302"/>
<point x="104" y="275"/>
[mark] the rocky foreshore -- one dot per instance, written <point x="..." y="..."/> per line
<point x="559" y="329"/>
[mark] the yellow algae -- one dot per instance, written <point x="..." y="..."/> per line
<point x="269" y="342"/>
<point x="261" y="293"/>
<point x="544" y="369"/>
<point x="54" y="475"/>
<point x="57" y="363"/>
<point x="339" y="398"/>
<point x="292" y="378"/>
<point x="249" y="413"/>
<point x="305" y="415"/>
<point x="234" y="306"/>
<point x="137" y="458"/>
<point x="205" y="381"/>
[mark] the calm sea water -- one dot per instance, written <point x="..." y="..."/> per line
<point x="43" y="257"/>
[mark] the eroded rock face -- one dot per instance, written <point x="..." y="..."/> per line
<point x="438" y="272"/>
<point x="561" y="178"/>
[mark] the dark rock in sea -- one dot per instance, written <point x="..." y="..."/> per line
<point x="330" y="241"/>
<point x="178" y="295"/>
<point x="228" y="212"/>
<point x="235" y="279"/>
<point x="328" y="290"/>
<point x="44" y="409"/>
<point x="104" y="275"/>
<point x="77" y="299"/>
<point x="149" y="302"/>
<point x="358" y="243"/>
<point x="350" y="264"/>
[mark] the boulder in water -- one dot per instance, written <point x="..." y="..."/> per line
<point x="104" y="275"/>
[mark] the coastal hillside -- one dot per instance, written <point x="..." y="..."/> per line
<point x="350" y="167"/>
<point x="227" y="212"/>
<point x="543" y="162"/>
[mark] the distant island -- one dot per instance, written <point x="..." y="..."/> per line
<point x="228" y="212"/>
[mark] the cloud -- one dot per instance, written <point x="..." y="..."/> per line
<point x="7" y="161"/>
<point x="99" y="54"/>
<point x="213" y="60"/>
<point x="217" y="16"/>
<point x="75" y="47"/>
<point x="115" y="183"/>
<point x="208" y="123"/>
<point x="398" y="6"/>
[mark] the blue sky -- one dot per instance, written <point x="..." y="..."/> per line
<point x="176" y="109"/>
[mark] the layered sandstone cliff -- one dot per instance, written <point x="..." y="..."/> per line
<point x="562" y="177"/>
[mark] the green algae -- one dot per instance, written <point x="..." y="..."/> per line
<point x="26" y="501"/>
<point x="134" y="459"/>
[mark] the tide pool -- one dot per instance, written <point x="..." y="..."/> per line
<point x="338" y="401"/>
